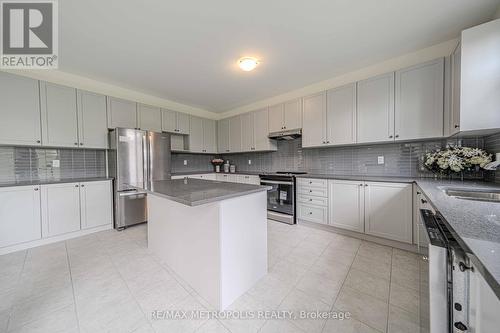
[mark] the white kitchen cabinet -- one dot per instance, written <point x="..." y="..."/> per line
<point x="148" y="118"/>
<point x="310" y="213"/>
<point x="247" y="131"/>
<point x="209" y="136"/>
<point x="223" y="135"/>
<point x="261" y="131"/>
<point x="292" y="114"/>
<point x="375" y="109"/>
<point x="388" y="211"/>
<point x="175" y="122"/>
<point x="341" y="115"/>
<point x="419" y="108"/>
<point x="92" y="128"/>
<point x="285" y="116"/>
<point x="314" y="120"/>
<point x="59" y="115"/>
<point x="60" y="209"/>
<point x="96" y="204"/>
<point x="20" y="107"/>
<point x="196" y="135"/>
<point x="248" y="179"/>
<point x="346" y="204"/>
<point x="226" y="177"/>
<point x="480" y="78"/>
<point x="235" y="134"/>
<point x="454" y="114"/>
<point x="19" y="215"/>
<point x="484" y="305"/>
<point x="121" y="113"/>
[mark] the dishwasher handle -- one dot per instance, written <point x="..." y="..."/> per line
<point x="432" y="230"/>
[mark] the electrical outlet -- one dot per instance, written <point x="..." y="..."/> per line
<point x="56" y="164"/>
<point x="249" y="162"/>
<point x="185" y="162"/>
<point x="380" y="160"/>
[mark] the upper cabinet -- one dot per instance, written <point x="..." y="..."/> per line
<point x="196" y="136"/>
<point x="255" y="130"/>
<point x="209" y="136"/>
<point x="375" y="108"/>
<point x="419" y="101"/>
<point x="235" y="134"/>
<point x="247" y="131"/>
<point x="121" y="113"/>
<point x="314" y="120"/>
<point x="92" y="129"/>
<point x="285" y="116"/>
<point x="59" y="115"/>
<point x="175" y="122"/>
<point x="341" y="115"/>
<point x="20" y="108"/>
<point x="454" y="112"/>
<point x="223" y="135"/>
<point x="149" y="118"/>
<point x="480" y="79"/>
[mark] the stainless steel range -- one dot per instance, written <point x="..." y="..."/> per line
<point x="281" y="197"/>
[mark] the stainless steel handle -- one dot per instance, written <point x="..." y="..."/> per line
<point x="76" y="143"/>
<point x="38" y="141"/>
<point x="390" y="136"/>
<point x="397" y="135"/>
<point x="130" y="194"/>
<point x="82" y="185"/>
<point x="81" y="143"/>
<point x="275" y="182"/>
<point x="36" y="188"/>
<point x="360" y="184"/>
<point x="76" y="185"/>
<point x="457" y="126"/>
<point x="423" y="201"/>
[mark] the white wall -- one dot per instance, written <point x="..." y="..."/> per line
<point x="410" y="59"/>
<point x="81" y="82"/>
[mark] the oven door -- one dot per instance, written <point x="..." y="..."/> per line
<point x="280" y="197"/>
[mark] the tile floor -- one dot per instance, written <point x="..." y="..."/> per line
<point x="109" y="282"/>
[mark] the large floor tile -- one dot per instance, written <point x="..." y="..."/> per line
<point x="288" y="271"/>
<point x="333" y="271"/>
<point x="189" y="307"/>
<point x="404" y="297"/>
<point x="212" y="326"/>
<point x="363" y="307"/>
<point x="245" y="304"/>
<point x="368" y="284"/>
<point x="317" y="285"/>
<point x="349" y="325"/>
<point x="270" y="291"/>
<point x="280" y="326"/>
<point x="378" y="268"/>
<point x="163" y="296"/>
<point x="375" y="252"/>
<point x="402" y="321"/>
<point x="63" y="320"/>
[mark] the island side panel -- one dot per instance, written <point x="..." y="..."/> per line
<point x="243" y="235"/>
<point x="187" y="240"/>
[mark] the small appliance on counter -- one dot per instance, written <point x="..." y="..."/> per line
<point x="232" y="168"/>
<point x="281" y="197"/>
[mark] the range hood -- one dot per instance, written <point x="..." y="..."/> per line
<point x="286" y="135"/>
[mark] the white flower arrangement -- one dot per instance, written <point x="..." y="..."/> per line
<point x="456" y="159"/>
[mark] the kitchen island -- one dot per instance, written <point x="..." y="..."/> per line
<point x="212" y="234"/>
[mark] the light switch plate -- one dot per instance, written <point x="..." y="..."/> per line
<point x="380" y="160"/>
<point x="249" y="162"/>
<point x="185" y="162"/>
<point x="56" y="164"/>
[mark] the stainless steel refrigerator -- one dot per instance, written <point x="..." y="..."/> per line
<point x="136" y="157"/>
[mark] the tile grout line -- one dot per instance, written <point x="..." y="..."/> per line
<point x="18" y="281"/>
<point x="389" y="299"/>
<point x="72" y="285"/>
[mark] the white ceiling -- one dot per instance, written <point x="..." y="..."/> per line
<point x="186" y="51"/>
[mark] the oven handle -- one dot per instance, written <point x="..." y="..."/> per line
<point x="275" y="182"/>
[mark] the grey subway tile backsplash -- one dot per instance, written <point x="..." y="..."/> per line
<point x="33" y="164"/>
<point x="492" y="145"/>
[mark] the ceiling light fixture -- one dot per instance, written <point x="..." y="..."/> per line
<point x="247" y="63"/>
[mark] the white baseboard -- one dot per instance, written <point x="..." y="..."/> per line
<point x="45" y="241"/>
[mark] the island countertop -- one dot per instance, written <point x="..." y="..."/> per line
<point x="195" y="192"/>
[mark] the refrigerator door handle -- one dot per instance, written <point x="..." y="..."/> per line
<point x="145" y="158"/>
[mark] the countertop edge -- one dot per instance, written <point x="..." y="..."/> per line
<point x="49" y="182"/>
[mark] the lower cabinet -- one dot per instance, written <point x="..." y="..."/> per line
<point x="95" y="204"/>
<point x="388" y="211"/>
<point x="60" y="209"/>
<point x="347" y="204"/>
<point x="312" y="213"/>
<point x="19" y="215"/>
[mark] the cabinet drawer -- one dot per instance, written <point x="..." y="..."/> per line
<point x="310" y="182"/>
<point x="314" y="191"/>
<point x="319" y="201"/>
<point x="312" y="213"/>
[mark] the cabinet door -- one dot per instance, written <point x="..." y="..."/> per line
<point x="314" y="118"/>
<point x="20" y="108"/>
<point x="19" y="215"/>
<point x="454" y="121"/>
<point x="209" y="136"/>
<point x="168" y="121"/>
<point x="341" y="115"/>
<point x="276" y="121"/>
<point x="92" y="127"/>
<point x="375" y="104"/>
<point x="346" y="204"/>
<point x="247" y="132"/>
<point x="60" y="209"/>
<point x="235" y="134"/>
<point x="223" y="135"/>
<point x="121" y="113"/>
<point x="59" y="116"/>
<point x="182" y="123"/>
<point x="484" y="304"/>
<point x="388" y="211"/>
<point x="419" y="108"/>
<point x="149" y="118"/>
<point x="316" y="214"/>
<point x="261" y="131"/>
<point x="292" y="114"/>
<point x="196" y="136"/>
<point x="96" y="204"/>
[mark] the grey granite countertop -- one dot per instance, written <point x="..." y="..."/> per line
<point x="195" y="192"/>
<point x="52" y="181"/>
<point x="359" y="178"/>
<point x="215" y="173"/>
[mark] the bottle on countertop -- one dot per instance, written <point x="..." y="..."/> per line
<point x="226" y="166"/>
<point x="232" y="168"/>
